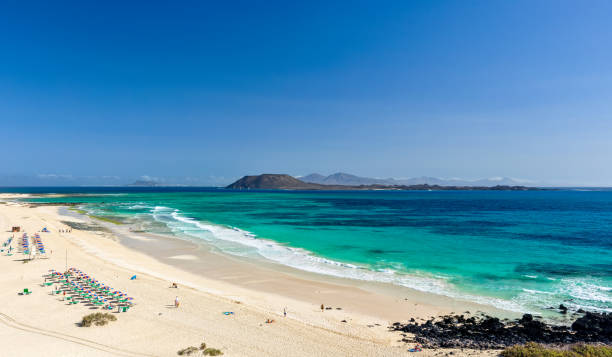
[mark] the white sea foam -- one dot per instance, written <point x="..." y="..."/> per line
<point x="576" y="293"/>
<point x="236" y="241"/>
<point x="137" y="206"/>
<point x="531" y="291"/>
<point x="585" y="290"/>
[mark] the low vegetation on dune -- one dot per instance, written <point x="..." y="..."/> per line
<point x="536" y="350"/>
<point x="203" y="350"/>
<point x="98" y="319"/>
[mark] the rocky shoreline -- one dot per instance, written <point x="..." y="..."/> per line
<point x="486" y="332"/>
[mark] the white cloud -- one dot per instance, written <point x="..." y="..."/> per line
<point x="55" y="176"/>
<point x="151" y="178"/>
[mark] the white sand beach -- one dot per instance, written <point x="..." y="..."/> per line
<point x="209" y="284"/>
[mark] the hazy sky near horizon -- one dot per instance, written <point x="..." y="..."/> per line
<point x="468" y="89"/>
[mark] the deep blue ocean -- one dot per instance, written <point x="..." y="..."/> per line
<point x="519" y="251"/>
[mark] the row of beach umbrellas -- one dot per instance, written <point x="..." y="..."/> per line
<point x="39" y="243"/>
<point x="25" y="243"/>
<point x="92" y="289"/>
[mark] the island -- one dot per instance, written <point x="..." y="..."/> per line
<point x="287" y="182"/>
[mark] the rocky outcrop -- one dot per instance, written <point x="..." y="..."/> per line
<point x="486" y="332"/>
<point x="592" y="325"/>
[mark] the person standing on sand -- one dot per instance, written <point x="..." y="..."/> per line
<point x="322" y="307"/>
<point x="285" y="312"/>
<point x="176" y="302"/>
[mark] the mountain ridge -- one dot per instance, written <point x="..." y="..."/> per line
<point x="287" y="182"/>
<point x="344" y="179"/>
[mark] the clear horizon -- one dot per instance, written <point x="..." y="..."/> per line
<point x="209" y="92"/>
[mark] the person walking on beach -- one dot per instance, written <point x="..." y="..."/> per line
<point x="176" y="302"/>
<point x="285" y="312"/>
<point x="322" y="307"/>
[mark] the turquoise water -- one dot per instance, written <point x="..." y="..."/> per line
<point x="520" y="251"/>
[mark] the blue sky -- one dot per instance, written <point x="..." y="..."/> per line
<point x="210" y="91"/>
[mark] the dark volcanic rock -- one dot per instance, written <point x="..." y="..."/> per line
<point x="593" y="326"/>
<point x="490" y="333"/>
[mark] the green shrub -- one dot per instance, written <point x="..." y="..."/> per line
<point x="536" y="350"/>
<point x="205" y="351"/>
<point x="187" y="351"/>
<point x="212" y="352"/>
<point x="98" y="319"/>
<point x="592" y="351"/>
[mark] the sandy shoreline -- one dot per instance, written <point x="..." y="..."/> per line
<point x="209" y="284"/>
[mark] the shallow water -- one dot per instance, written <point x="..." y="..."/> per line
<point x="520" y="251"/>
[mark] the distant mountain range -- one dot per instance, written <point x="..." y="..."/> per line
<point x="337" y="179"/>
<point x="286" y="182"/>
<point x="67" y="180"/>
<point x="145" y="183"/>
<point x="345" y="179"/>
